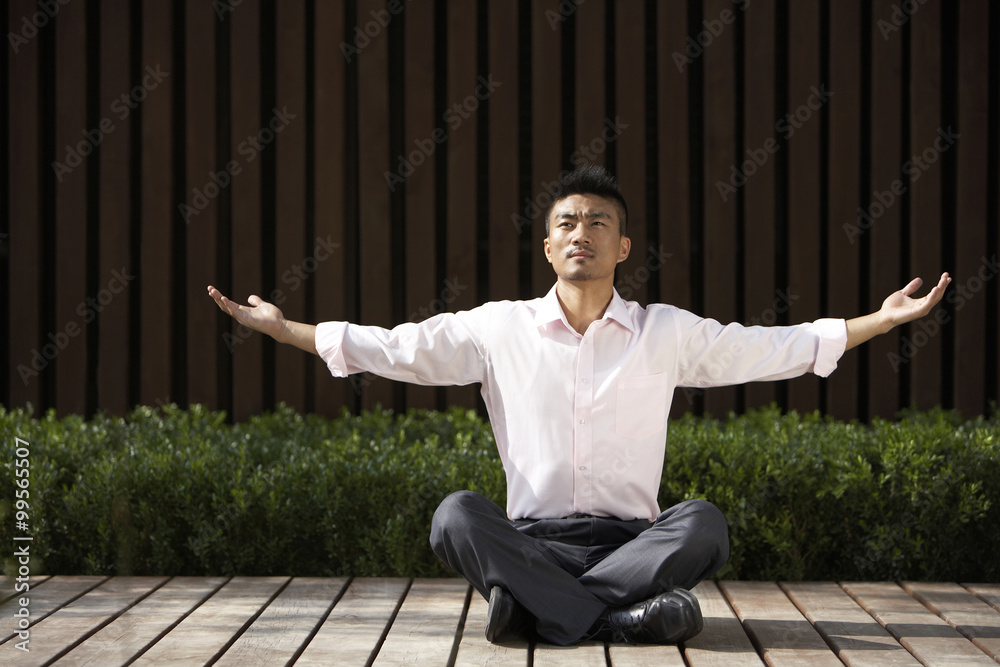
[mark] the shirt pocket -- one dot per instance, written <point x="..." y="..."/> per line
<point x="641" y="409"/>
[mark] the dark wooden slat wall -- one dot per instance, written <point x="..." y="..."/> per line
<point x="462" y="98"/>
<point x="759" y="200"/>
<point x="200" y="233"/>
<point x="113" y="375"/>
<point x="925" y="193"/>
<point x="422" y="129"/>
<point x="801" y="126"/>
<point x="883" y="239"/>
<point x="971" y="197"/>
<point x="296" y="249"/>
<point x="673" y="153"/>
<point x="27" y="169"/>
<point x="70" y="247"/>
<point x="346" y="159"/>
<point x="246" y="351"/>
<point x="844" y="198"/>
<point x="159" y="324"/>
<point x="720" y="213"/>
<point x="547" y="110"/>
<point x="329" y="150"/>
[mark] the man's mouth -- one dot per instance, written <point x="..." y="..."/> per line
<point x="581" y="253"/>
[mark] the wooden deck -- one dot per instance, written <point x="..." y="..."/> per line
<point x="280" y="620"/>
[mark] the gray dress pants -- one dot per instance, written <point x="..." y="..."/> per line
<point x="567" y="572"/>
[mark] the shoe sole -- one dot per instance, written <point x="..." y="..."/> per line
<point x="498" y="614"/>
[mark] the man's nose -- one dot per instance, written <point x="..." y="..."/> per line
<point x="580" y="235"/>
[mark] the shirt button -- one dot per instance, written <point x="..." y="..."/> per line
<point x="583" y="421"/>
<point x="583" y="467"/>
<point x="585" y="380"/>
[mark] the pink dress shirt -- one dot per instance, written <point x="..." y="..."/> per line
<point x="580" y="421"/>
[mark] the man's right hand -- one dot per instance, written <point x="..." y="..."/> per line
<point x="267" y="318"/>
<point x="259" y="315"/>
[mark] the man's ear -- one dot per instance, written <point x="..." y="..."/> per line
<point x="548" y="249"/>
<point x="624" y="248"/>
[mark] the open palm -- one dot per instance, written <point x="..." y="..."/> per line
<point x="259" y="315"/>
<point x="900" y="308"/>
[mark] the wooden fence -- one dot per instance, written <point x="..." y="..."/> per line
<point x="379" y="161"/>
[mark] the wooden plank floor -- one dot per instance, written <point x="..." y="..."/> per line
<point x="342" y="621"/>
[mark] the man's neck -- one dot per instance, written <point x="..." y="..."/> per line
<point x="583" y="302"/>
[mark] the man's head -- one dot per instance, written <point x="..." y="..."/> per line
<point x="591" y="179"/>
<point x="585" y="225"/>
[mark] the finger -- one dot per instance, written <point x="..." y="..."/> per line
<point x="912" y="287"/>
<point x="935" y="294"/>
<point x="255" y="300"/>
<point x="219" y="300"/>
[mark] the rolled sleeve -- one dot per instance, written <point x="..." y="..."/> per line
<point x="832" y="335"/>
<point x="446" y="349"/>
<point x="330" y="347"/>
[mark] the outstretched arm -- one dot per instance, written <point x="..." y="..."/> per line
<point x="899" y="308"/>
<point x="267" y="318"/>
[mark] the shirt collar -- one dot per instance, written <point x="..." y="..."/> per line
<point x="549" y="310"/>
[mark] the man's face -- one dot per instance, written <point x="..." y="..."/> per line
<point x="584" y="241"/>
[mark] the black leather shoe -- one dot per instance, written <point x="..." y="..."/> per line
<point x="505" y="619"/>
<point x="668" y="618"/>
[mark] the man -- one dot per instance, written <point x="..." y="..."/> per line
<point x="578" y="386"/>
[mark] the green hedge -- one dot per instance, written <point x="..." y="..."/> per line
<point x="183" y="492"/>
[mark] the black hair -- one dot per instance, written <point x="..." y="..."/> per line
<point x="591" y="179"/>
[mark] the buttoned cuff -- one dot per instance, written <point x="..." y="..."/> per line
<point x="832" y="343"/>
<point x="329" y="346"/>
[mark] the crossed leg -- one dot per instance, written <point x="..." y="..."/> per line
<point x="473" y="536"/>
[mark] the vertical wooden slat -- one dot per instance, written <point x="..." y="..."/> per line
<point x="294" y="253"/>
<point x="761" y="138"/>
<point x="807" y="101"/>
<point x="201" y="192"/>
<point x="974" y="268"/>
<point x="158" y="209"/>
<point x="634" y="273"/>
<point x="925" y="197"/>
<point x="672" y="101"/>
<point x="884" y="205"/>
<point x="995" y="250"/>
<point x="720" y="156"/>
<point x="546" y="112"/>
<point x="329" y="113"/>
<point x="115" y="185"/>
<point x="244" y="95"/>
<point x="461" y="117"/>
<point x="590" y="110"/>
<point x="843" y="244"/>
<point x="70" y="244"/>
<point x="503" y="156"/>
<point x="374" y="161"/>
<point x="673" y="187"/>
<point x="423" y="135"/>
<point x="24" y="244"/>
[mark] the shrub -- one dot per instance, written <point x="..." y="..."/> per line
<point x="182" y="492"/>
